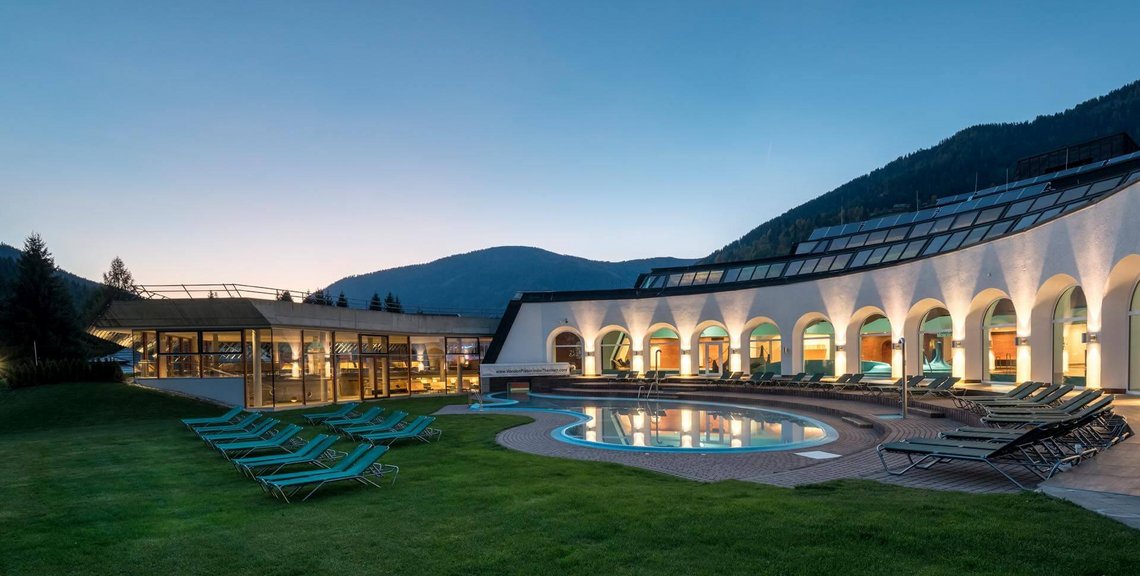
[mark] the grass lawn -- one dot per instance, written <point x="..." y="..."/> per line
<point x="102" y="479"/>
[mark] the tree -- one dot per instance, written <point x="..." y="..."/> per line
<point x="341" y="301"/>
<point x="318" y="297"/>
<point x="119" y="277"/>
<point x="38" y="315"/>
<point x="375" y="304"/>
<point x="392" y="304"/>
<point x="285" y="297"/>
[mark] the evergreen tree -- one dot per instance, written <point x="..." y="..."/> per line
<point x="392" y="304"/>
<point x="375" y="304"/>
<point x="285" y="297"/>
<point x="38" y="314"/>
<point x="341" y="301"/>
<point x="119" y="277"/>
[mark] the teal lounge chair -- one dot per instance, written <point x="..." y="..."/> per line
<point x="367" y="417"/>
<point x="343" y="412"/>
<point x="387" y="424"/>
<point x="227" y="418"/>
<point x="244" y="424"/>
<point x="316" y="451"/>
<point x="262" y="430"/>
<point x="417" y="429"/>
<point x="362" y="469"/>
<point x="282" y="440"/>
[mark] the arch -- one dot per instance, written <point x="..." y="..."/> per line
<point x="566" y="344"/>
<point x="875" y="346"/>
<point x="614" y="349"/>
<point x="974" y="333"/>
<point x="814" y="345"/>
<point x="1119" y="328"/>
<point x="662" y="348"/>
<point x="929" y="332"/>
<point x="999" y="335"/>
<point x="1070" y="332"/>
<point x="1040" y="327"/>
<point x="763" y="346"/>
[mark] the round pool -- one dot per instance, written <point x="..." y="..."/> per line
<point x="672" y="425"/>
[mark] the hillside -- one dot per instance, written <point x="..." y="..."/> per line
<point x="81" y="288"/>
<point x="947" y="168"/>
<point x="487" y="279"/>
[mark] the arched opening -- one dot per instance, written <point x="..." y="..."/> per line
<point x="935" y="334"/>
<point x="616" y="352"/>
<point x="665" y="350"/>
<point x="568" y="348"/>
<point x="764" y="349"/>
<point x="819" y="348"/>
<point x="713" y="350"/>
<point x="999" y="334"/>
<point x="1070" y="334"/>
<point x="875" y="347"/>
<point x="1134" y="341"/>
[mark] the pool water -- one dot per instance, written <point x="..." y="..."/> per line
<point x="673" y="426"/>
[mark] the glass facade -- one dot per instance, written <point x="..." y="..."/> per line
<point x="283" y="366"/>
<point x="875" y="347"/>
<point x="568" y="349"/>
<point x="999" y="335"/>
<point x="819" y="348"/>
<point x="713" y="350"/>
<point x="616" y="353"/>
<point x="1070" y="333"/>
<point x="665" y="350"/>
<point x="1134" y="342"/>
<point x="764" y="349"/>
<point x="936" y="338"/>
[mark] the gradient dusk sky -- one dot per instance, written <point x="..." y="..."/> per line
<point x="291" y="143"/>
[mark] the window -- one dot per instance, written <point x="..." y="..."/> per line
<point x="824" y="264"/>
<point x="761" y="272"/>
<point x="877" y="255"/>
<point x="687" y="278"/>
<point x="921" y="229"/>
<point x="1044" y="202"/>
<point x="464" y="356"/>
<point x="746" y="273"/>
<point x="941" y="225"/>
<point x="894" y="252"/>
<point x="875" y="347"/>
<point x="700" y="278"/>
<point x="568" y="348"/>
<point x="857" y="241"/>
<point x="819" y="348"/>
<point x="999" y="335"/>
<point x="935" y="338"/>
<point x="1073" y="194"/>
<point x="841" y="261"/>
<point x="1019" y="208"/>
<point x="954" y="240"/>
<point x="145" y="346"/>
<point x="732" y="274"/>
<point x="975" y="235"/>
<point x="963" y="220"/>
<point x="775" y="270"/>
<point x="804" y="247"/>
<point x="794" y="268"/>
<point x="861" y="258"/>
<point x="876" y="237"/>
<point x="935" y="245"/>
<point x="999" y="229"/>
<point x="990" y="215"/>
<point x="897" y="234"/>
<point x="221" y="355"/>
<point x="764" y="349"/>
<point x="1070" y="337"/>
<point x="347" y="365"/>
<point x="809" y="266"/>
<point x="427" y="365"/>
<point x="178" y="355"/>
<point x="1025" y="222"/>
<point x="912" y="249"/>
<point x="839" y="243"/>
<point x="1049" y="214"/>
<point x="715" y="275"/>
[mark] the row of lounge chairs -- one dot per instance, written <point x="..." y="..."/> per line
<point x="1042" y="433"/>
<point x="916" y="385"/>
<point x="260" y="449"/>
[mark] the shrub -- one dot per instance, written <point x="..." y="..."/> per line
<point x="24" y="374"/>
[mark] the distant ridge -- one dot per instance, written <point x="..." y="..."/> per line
<point x="984" y="152"/>
<point x="81" y="288"/>
<point x="487" y="279"/>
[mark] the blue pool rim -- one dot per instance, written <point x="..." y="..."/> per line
<point x="560" y="433"/>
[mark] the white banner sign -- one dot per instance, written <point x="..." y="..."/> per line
<point x="536" y="369"/>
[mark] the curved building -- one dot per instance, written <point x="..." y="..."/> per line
<point x="1031" y="280"/>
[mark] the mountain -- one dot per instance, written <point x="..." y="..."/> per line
<point x="81" y="288"/>
<point x="487" y="279"/>
<point x="987" y="151"/>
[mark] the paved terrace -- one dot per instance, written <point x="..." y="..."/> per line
<point x="856" y="446"/>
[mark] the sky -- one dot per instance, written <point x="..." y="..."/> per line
<point x="288" y="144"/>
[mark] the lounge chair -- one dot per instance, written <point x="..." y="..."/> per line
<point x="417" y="429"/>
<point x="1094" y="408"/>
<point x="282" y="440"/>
<point x="361" y="469"/>
<point x="227" y="418"/>
<point x="244" y="423"/>
<point x="316" y="451"/>
<point x="367" y="417"/>
<point x="263" y="429"/>
<point x="1069" y="405"/>
<point x="1019" y="392"/>
<point x="1021" y="450"/>
<point x="1047" y="398"/>
<point x="791" y="381"/>
<point x="760" y="378"/>
<point x="342" y="412"/>
<point x="391" y="422"/>
<point x="852" y="383"/>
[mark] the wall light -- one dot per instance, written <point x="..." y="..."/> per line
<point x="840" y="347"/>
<point x="589" y="354"/>
<point x="1021" y="341"/>
<point x="637" y="352"/>
<point x="1090" y="337"/>
<point x="957" y="343"/>
<point x="735" y="350"/>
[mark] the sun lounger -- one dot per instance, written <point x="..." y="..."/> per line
<point x="227" y="418"/>
<point x="316" y="451"/>
<point x="1019" y="392"/>
<point x="1068" y="405"/>
<point x="417" y="429"/>
<point x="367" y="417"/>
<point x="262" y="430"/>
<point x="1095" y="408"/>
<point x="389" y="423"/>
<point x="342" y="412"/>
<point x="852" y="383"/>
<point x="282" y="440"/>
<point x="244" y="423"/>
<point x="362" y="469"/>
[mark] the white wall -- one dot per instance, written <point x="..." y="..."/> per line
<point x="228" y="391"/>
<point x="1090" y="247"/>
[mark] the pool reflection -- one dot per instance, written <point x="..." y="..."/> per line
<point x="656" y="426"/>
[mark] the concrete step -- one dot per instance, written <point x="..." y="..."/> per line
<point x="856" y="422"/>
<point x="927" y="412"/>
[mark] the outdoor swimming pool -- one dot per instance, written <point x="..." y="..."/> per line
<point x="672" y="425"/>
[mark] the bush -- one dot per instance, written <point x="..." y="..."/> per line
<point x="24" y="374"/>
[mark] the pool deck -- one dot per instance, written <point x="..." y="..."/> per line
<point x="788" y="468"/>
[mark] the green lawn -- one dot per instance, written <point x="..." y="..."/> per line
<point x="102" y="479"/>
